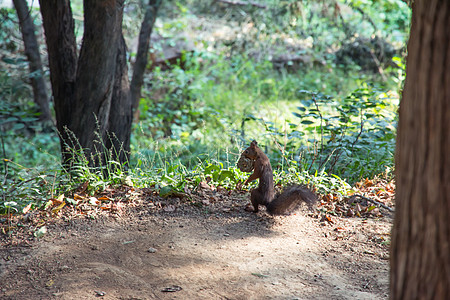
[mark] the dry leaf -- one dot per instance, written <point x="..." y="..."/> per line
<point x="93" y="201"/>
<point x="82" y="188"/>
<point x="78" y="197"/>
<point x="58" y="208"/>
<point x="26" y="208"/>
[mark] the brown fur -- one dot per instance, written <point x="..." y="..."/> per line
<point x="264" y="194"/>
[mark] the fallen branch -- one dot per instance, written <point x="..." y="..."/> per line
<point x="243" y="3"/>
<point x="374" y="202"/>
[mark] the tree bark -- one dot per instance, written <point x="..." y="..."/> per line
<point x="91" y="93"/>
<point x="62" y="56"/>
<point x="420" y="250"/>
<point x="95" y="75"/>
<point x="121" y="115"/>
<point x="34" y="59"/>
<point x="142" y="51"/>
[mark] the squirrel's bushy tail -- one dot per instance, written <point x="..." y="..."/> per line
<point x="290" y="198"/>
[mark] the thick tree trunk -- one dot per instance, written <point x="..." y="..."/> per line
<point x="420" y="251"/>
<point x="62" y="56"/>
<point x="34" y="59"/>
<point x="95" y="75"/>
<point x="92" y="102"/>
<point x="142" y="51"/>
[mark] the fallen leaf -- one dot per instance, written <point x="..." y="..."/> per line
<point x="327" y="218"/>
<point x="50" y="282"/>
<point x="48" y="204"/>
<point x="40" y="232"/>
<point x="71" y="201"/>
<point x="26" y="208"/>
<point x="82" y="188"/>
<point x="78" y="197"/>
<point x="59" y="200"/>
<point x="56" y="210"/>
<point x="204" y="185"/>
<point x="371" y="208"/>
<point x="93" y="201"/>
<point x="368" y="182"/>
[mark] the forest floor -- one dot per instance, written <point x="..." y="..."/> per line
<point x="171" y="249"/>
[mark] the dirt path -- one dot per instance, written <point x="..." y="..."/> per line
<point x="209" y="253"/>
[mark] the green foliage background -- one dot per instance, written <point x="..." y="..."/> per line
<point x="281" y="75"/>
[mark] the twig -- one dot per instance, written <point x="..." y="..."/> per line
<point x="361" y="129"/>
<point x="5" y="165"/>
<point x="282" y="150"/>
<point x="337" y="10"/>
<point x="377" y="62"/>
<point x="374" y="202"/>
<point x="321" y="121"/>
<point x="243" y="3"/>
<point x="365" y="16"/>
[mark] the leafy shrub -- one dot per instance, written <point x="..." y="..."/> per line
<point x="352" y="137"/>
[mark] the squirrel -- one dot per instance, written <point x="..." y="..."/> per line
<point x="277" y="204"/>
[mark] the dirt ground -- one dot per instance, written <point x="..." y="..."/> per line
<point x="176" y="250"/>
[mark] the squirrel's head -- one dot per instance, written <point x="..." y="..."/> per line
<point x="250" y="152"/>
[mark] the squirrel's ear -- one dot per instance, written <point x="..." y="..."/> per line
<point x="254" y="144"/>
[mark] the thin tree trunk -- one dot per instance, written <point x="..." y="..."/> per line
<point x="420" y="251"/>
<point x="62" y="56"/>
<point x="142" y="51"/>
<point x="34" y="59"/>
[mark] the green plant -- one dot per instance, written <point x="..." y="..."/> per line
<point x="356" y="134"/>
<point x="351" y="138"/>
<point x="171" y="108"/>
<point x="22" y="187"/>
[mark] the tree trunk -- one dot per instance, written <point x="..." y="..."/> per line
<point x="120" y="118"/>
<point x="91" y="94"/>
<point x="62" y="56"/>
<point x="34" y="59"/>
<point x="95" y="75"/>
<point x="142" y="52"/>
<point x="420" y="250"/>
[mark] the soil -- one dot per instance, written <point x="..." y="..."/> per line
<point x="171" y="249"/>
